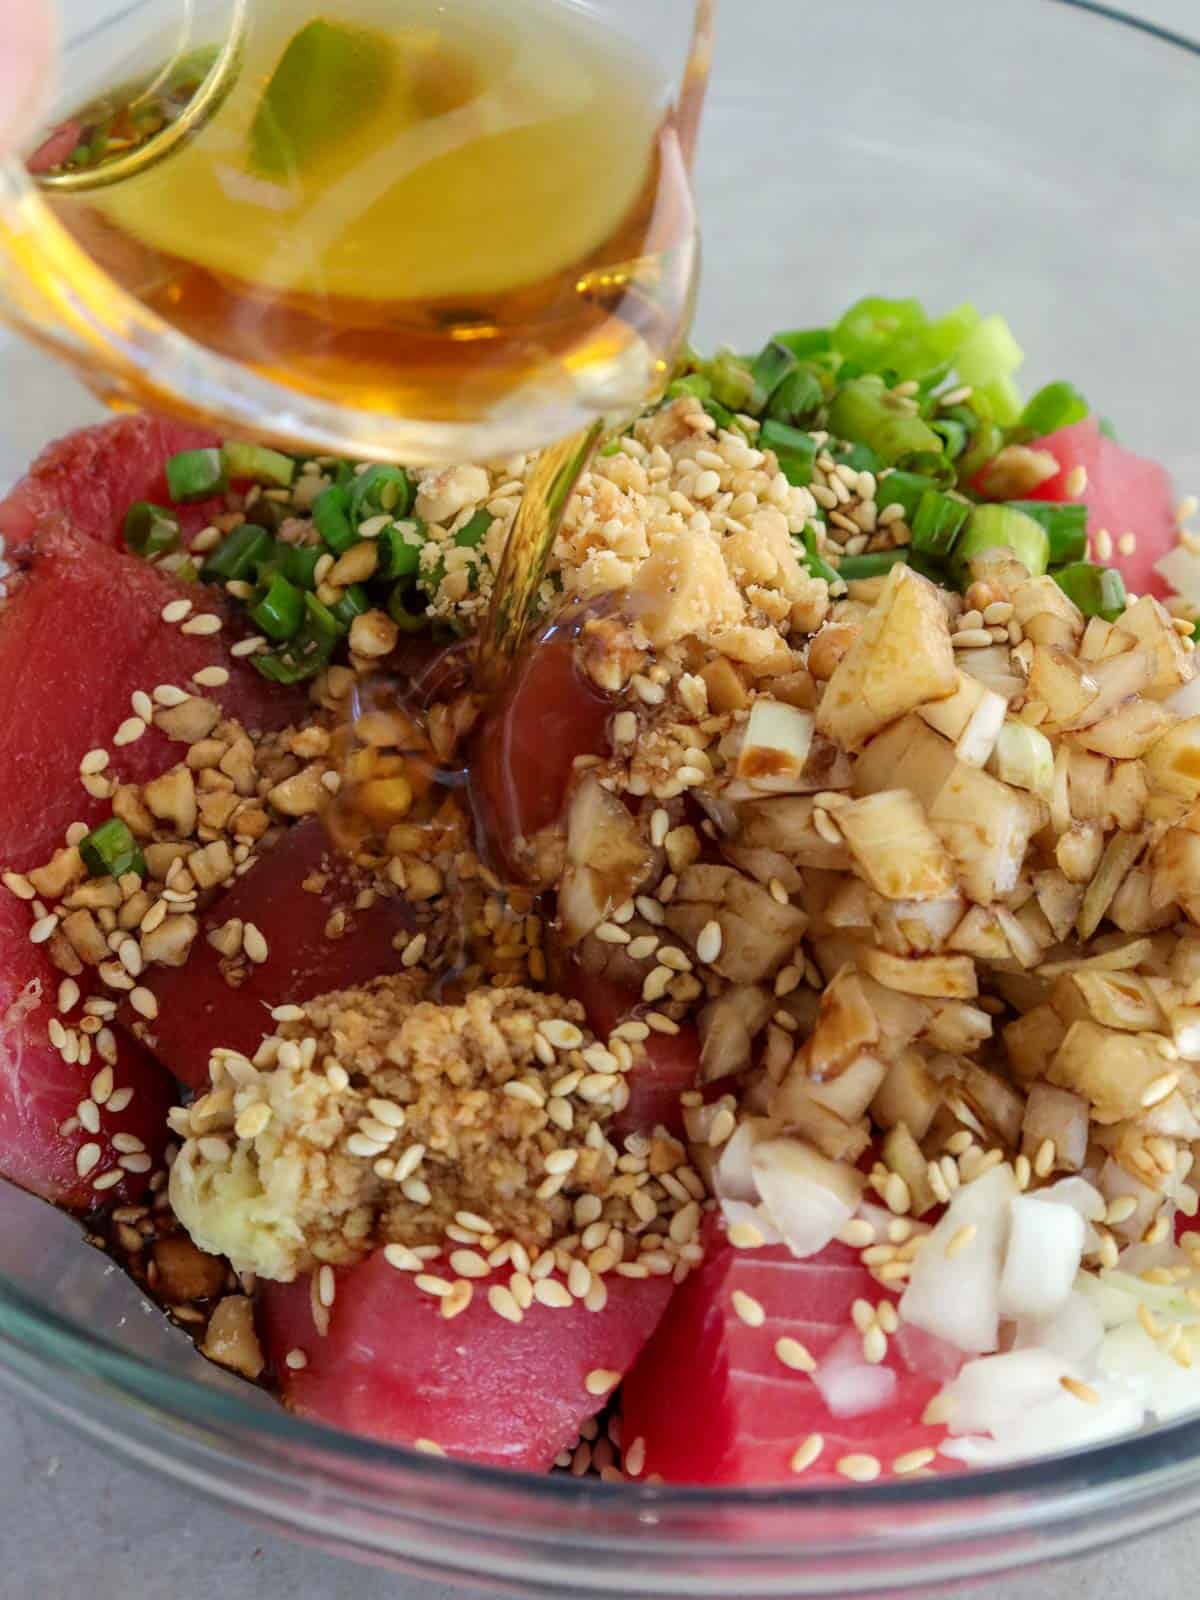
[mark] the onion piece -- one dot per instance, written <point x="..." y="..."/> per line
<point x="1041" y="1261"/>
<point x="1074" y="1333"/>
<point x="957" y="1297"/>
<point x="809" y="1198"/>
<point x="1166" y="1389"/>
<point x="775" y="747"/>
<point x="849" y="1385"/>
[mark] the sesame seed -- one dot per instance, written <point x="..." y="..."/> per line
<point x="254" y="944"/>
<point x="175" y="610"/>
<point x="611" y="933"/>
<point x="295" y="1360"/>
<point x="430" y="1284"/>
<point x="204" y="624"/>
<point x="708" y="944"/>
<point x="428" y="1447"/>
<point x="634" y="1460"/>
<point x="501" y="1300"/>
<point x="656" y="984"/>
<point x="794" y="1355"/>
<point x="137" y="1163"/>
<point x="914" y="1461"/>
<point x="127" y="1144"/>
<point x="1077" y="482"/>
<point x="1104" y="545"/>
<point x="253" y="1121"/>
<point x="601" y="1381"/>
<point x="1043" y="1161"/>
<point x="896" y="1195"/>
<point x="559" y="1033"/>
<point x="414" y="950"/>
<point x="457" y="1301"/>
<point x="1161" y="1089"/>
<point x="102" y="1086"/>
<point x="961" y="1239"/>
<point x="862" y="1314"/>
<point x="1149" y="1322"/>
<point x="144" y="1002"/>
<point x="1081" y="1391"/>
<point x="859" y="1468"/>
<point x="1127" y="544"/>
<point x="94" y="761"/>
<point x="402" y="1258"/>
<point x="120" y="1100"/>
<point x="874" y="1345"/>
<point x="857" y="1233"/>
<point x="87" y="1157"/>
<point x="109" y="1180"/>
<point x="804" y="1456"/>
<point x="748" y="1309"/>
<point x="43" y="928"/>
<point x="625" y="727"/>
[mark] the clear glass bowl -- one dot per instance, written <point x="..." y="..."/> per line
<point x="1043" y="158"/>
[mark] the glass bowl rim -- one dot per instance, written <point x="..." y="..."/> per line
<point x="1099" y="1475"/>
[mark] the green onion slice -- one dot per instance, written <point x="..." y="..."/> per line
<point x="110" y="851"/>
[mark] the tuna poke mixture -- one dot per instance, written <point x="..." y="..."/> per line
<point x="756" y="1044"/>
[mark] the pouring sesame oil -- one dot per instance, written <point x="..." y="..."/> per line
<point x="445" y="210"/>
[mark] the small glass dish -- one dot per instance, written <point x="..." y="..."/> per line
<point x="1042" y="158"/>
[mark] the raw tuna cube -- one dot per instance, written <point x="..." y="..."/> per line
<point x="93" y="476"/>
<point x="481" y="1387"/>
<point x="198" y="1009"/>
<point x="80" y="631"/>
<point x="665" y="1064"/>
<point x="1125" y="493"/>
<point x="528" y="744"/>
<point x="713" y="1401"/>
<point x="40" y="1092"/>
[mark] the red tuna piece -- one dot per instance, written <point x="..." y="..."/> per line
<point x="93" y="476"/>
<point x="665" y="1064"/>
<point x="198" y="1009"/>
<point x="715" y="1404"/>
<point x="482" y="1388"/>
<point x="40" y="1092"/>
<point x="80" y="631"/>
<point x="528" y="743"/>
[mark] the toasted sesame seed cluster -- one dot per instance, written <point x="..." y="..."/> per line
<point x="458" y="1135"/>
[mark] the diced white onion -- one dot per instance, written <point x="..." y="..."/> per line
<point x="957" y="1296"/>
<point x="801" y="1194"/>
<point x="1045" y="1247"/>
<point x="850" y="1386"/>
<point x="1074" y="1333"/>
<point x="776" y="745"/>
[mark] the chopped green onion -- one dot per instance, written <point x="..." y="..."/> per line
<point x="398" y="556"/>
<point x="380" y="488"/>
<point x="472" y="533"/>
<point x="722" y="416"/>
<point x="987" y="441"/>
<point x="989" y="353"/>
<point x="268" y="514"/>
<point x="398" y="609"/>
<point x="1097" y="591"/>
<point x="905" y="489"/>
<point x="993" y="527"/>
<point x="871" y="327"/>
<point x="773" y="363"/>
<point x="799" y="398"/>
<point x="1056" y="406"/>
<point x="150" y="530"/>
<point x="938" y="523"/>
<point x="858" y="456"/>
<point x="330" y="514"/>
<point x="695" y="383"/>
<point x="1066" y="525"/>
<point x="926" y="355"/>
<point x="932" y="464"/>
<point x="308" y="652"/>
<point x="237" y="557"/>
<point x="953" y="434"/>
<point x="110" y="851"/>
<point x="1000" y="399"/>
<point x="870" y="414"/>
<point x="876" y="565"/>
<point x="355" y="600"/>
<point x="796" y="451"/>
<point x="256" y="462"/>
<point x="280" y="611"/>
<point x="300" y="563"/>
<point x="196" y="475"/>
<point x="805" y="342"/>
<point x="732" y="380"/>
<point x="815" y="561"/>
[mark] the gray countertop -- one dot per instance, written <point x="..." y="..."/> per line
<point x="75" y="1521"/>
